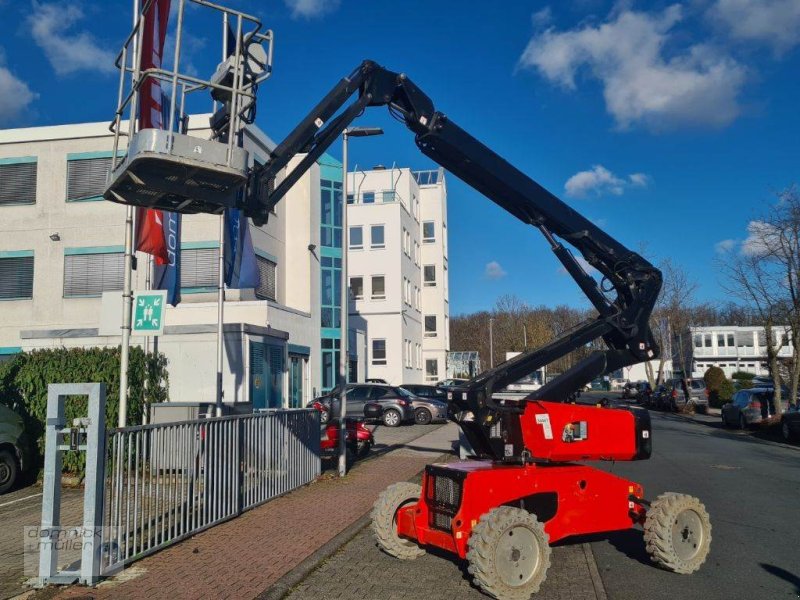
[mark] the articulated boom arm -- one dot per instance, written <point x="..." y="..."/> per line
<point x="622" y="321"/>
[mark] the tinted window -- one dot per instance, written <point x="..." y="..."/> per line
<point x="402" y="393"/>
<point x="358" y="393"/>
<point x="698" y="384"/>
<point x="380" y="392"/>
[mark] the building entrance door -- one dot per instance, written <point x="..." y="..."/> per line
<point x="295" y="381"/>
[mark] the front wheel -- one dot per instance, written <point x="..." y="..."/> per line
<point x="677" y="532"/>
<point x="509" y="553"/>
<point x="8" y="471"/>
<point x="422" y="416"/>
<point x="384" y="520"/>
<point x="391" y="418"/>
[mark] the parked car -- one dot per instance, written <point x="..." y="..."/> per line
<point x="426" y="391"/>
<point x="750" y="407"/>
<point x="14" y="448"/>
<point x="397" y="406"/>
<point x="635" y="390"/>
<point x="676" y="394"/>
<point x="449" y="383"/>
<point x="377" y="380"/>
<point x="426" y="410"/>
<point x="790" y="423"/>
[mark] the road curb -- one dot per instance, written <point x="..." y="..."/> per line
<point x="782" y="444"/>
<point x="285" y="584"/>
<point x="594" y="573"/>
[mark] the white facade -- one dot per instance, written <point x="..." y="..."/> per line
<point x="735" y="349"/>
<point x="61" y="238"/>
<point x="397" y="266"/>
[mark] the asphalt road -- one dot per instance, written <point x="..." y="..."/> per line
<point x="751" y="489"/>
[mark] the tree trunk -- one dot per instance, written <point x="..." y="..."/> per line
<point x="772" y="361"/>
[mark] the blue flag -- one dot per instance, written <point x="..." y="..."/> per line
<point x="241" y="269"/>
<point x="168" y="276"/>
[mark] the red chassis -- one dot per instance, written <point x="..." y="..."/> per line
<point x="570" y="499"/>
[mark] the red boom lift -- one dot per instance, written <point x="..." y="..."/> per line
<point x="525" y="488"/>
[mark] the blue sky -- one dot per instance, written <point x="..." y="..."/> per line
<point x="669" y="124"/>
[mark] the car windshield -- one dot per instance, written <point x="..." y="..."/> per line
<point x="403" y="392"/>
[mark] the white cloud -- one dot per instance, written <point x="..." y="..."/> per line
<point x="774" y="23"/>
<point x="761" y="239"/>
<point x="310" y="9"/>
<point x="724" y="246"/>
<point x="67" y="52"/>
<point x="642" y="83"/>
<point x="15" y="95"/>
<point x="598" y="181"/>
<point x="542" y="18"/>
<point x="494" y="271"/>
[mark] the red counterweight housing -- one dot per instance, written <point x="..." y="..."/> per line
<point x="556" y="432"/>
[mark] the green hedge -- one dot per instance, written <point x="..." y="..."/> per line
<point x="24" y="380"/>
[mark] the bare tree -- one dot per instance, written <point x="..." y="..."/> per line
<point x="766" y="274"/>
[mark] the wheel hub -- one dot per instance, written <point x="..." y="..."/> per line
<point x="5" y="473"/>
<point x="517" y="556"/>
<point x="687" y="534"/>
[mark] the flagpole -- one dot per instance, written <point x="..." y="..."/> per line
<point x="127" y="291"/>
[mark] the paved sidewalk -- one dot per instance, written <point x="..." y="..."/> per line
<point x="245" y="556"/>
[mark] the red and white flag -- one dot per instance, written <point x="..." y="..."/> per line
<point x="149" y="222"/>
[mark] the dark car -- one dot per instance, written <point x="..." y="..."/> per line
<point x="750" y="407"/>
<point x="426" y="391"/>
<point x="676" y="394"/>
<point x="790" y="423"/>
<point x="427" y="409"/>
<point x="14" y="448"/>
<point x="397" y="406"/>
<point x="450" y="383"/>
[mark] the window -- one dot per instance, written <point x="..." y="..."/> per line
<point x="330" y="362"/>
<point x="416" y="253"/>
<point x="86" y="178"/>
<point x="698" y="341"/>
<point x="357" y="288"/>
<point x="429" y="275"/>
<point x="378" y="352"/>
<point x="428" y="232"/>
<point x="707" y="340"/>
<point x="16" y="275"/>
<point x="351" y="198"/>
<point x="408" y="354"/>
<point x="431" y="369"/>
<point x="430" y="325"/>
<point x="405" y="290"/>
<point x="389" y="196"/>
<point x="330" y="213"/>
<point x="331" y="292"/>
<point x="199" y="269"/>
<point x="378" y="287"/>
<point x="17" y="181"/>
<point x="419" y="299"/>
<point x="267" y="285"/>
<point x="356" y="238"/>
<point x="376" y="237"/>
<point x="90" y="274"/>
<point x="368" y="198"/>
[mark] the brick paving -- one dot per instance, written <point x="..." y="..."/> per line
<point x="245" y="556"/>
<point x="360" y="571"/>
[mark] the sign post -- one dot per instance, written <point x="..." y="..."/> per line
<point x="148" y="312"/>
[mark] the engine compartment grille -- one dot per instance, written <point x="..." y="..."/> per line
<point x="443" y="495"/>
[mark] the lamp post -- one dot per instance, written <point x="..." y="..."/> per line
<point x="491" y="342"/>
<point x="345" y="300"/>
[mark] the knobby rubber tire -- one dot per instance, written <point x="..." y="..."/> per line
<point x="384" y="527"/>
<point x="481" y="554"/>
<point x="658" y="536"/>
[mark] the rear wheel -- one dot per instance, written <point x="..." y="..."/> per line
<point x="786" y="431"/>
<point x="422" y="416"/>
<point x="9" y="470"/>
<point x="384" y="520"/>
<point x="363" y="449"/>
<point x="677" y="532"/>
<point x="509" y="553"/>
<point x="391" y="418"/>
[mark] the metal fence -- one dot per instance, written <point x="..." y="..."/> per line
<point x="168" y="481"/>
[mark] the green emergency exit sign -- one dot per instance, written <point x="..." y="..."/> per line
<point x="148" y="312"/>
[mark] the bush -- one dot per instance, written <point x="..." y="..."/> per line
<point x="720" y="388"/>
<point x="24" y="381"/>
<point x="714" y="377"/>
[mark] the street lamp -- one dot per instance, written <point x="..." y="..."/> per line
<point x="345" y="300"/>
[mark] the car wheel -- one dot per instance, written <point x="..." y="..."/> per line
<point x="422" y="416"/>
<point x="9" y="470"/>
<point x="742" y="422"/>
<point x="391" y="418"/>
<point x="786" y="432"/>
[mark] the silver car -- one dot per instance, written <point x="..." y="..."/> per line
<point x="426" y="410"/>
<point x="750" y="407"/>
